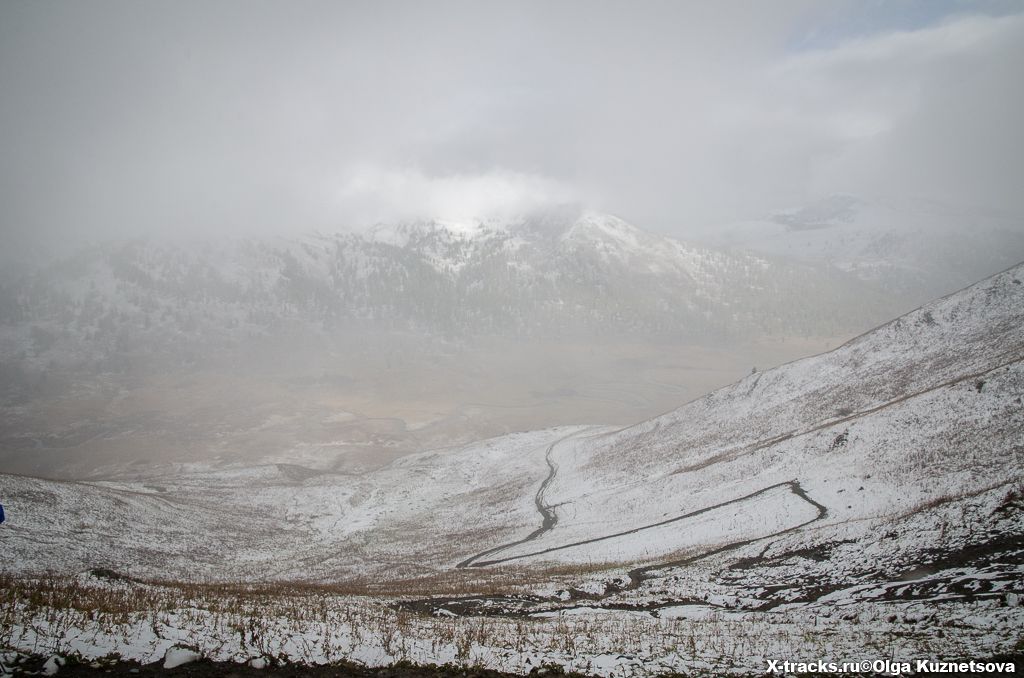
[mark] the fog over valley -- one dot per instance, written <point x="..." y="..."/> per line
<point x="674" y="338"/>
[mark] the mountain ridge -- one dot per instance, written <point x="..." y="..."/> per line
<point x="553" y="275"/>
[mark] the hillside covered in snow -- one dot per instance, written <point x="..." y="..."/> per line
<point x="873" y="489"/>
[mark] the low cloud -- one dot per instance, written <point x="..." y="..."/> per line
<point x="370" y="195"/>
<point x="260" y="116"/>
<point x="931" y="112"/>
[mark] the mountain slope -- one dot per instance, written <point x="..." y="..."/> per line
<point x="550" y="275"/>
<point x="923" y="409"/>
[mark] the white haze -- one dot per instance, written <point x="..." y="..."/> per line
<point x="125" y="118"/>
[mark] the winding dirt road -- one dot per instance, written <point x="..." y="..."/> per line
<point x="548" y="516"/>
<point x="793" y="485"/>
<point x="525" y="605"/>
<point x="477" y="605"/>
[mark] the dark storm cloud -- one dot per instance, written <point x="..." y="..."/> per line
<point x="138" y="117"/>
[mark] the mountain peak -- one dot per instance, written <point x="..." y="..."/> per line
<point x="605" y="225"/>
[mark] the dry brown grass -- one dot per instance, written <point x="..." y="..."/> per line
<point x="112" y="595"/>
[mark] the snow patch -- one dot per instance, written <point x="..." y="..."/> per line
<point x="177" y="656"/>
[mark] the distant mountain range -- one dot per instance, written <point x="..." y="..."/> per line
<point x="558" y="273"/>
<point x="914" y="249"/>
<point x="832" y="268"/>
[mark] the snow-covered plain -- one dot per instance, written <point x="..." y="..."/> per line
<point x="861" y="504"/>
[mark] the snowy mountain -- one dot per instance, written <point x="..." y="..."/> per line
<point x="555" y="274"/>
<point x="866" y="498"/>
<point x="916" y="249"/>
<point x="923" y="408"/>
<point x="871" y="489"/>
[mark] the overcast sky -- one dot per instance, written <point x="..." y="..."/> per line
<point x="135" y="117"/>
